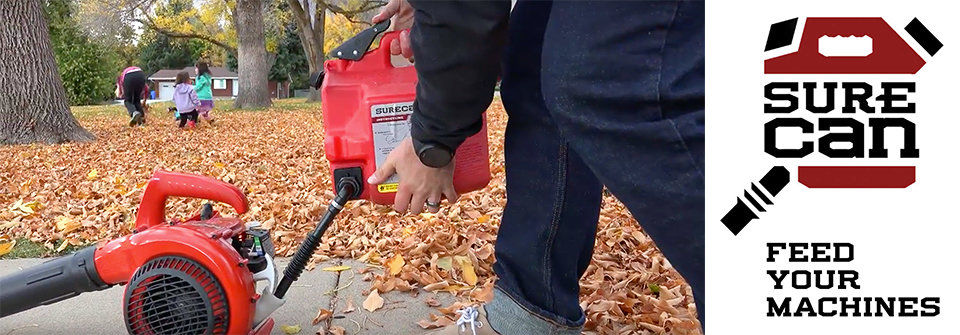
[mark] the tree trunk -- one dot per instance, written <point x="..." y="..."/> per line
<point x="33" y="103"/>
<point x="311" y="36"/>
<point x="253" y="62"/>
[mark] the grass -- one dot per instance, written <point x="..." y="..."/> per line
<point x="290" y="104"/>
<point x="29" y="249"/>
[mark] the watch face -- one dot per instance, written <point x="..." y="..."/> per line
<point x="435" y="157"/>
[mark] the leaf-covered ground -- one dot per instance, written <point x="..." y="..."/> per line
<point x="79" y="193"/>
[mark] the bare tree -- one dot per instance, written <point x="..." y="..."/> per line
<point x="33" y="104"/>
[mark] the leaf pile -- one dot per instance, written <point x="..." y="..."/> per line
<point x="78" y="193"/>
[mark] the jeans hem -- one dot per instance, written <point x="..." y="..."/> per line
<point x="509" y="304"/>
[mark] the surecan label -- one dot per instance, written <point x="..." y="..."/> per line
<point x="391" y="124"/>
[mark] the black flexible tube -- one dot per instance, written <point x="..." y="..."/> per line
<point x="347" y="189"/>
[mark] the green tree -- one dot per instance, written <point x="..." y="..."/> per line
<point x="291" y="63"/>
<point x="88" y="69"/>
<point x="159" y="52"/>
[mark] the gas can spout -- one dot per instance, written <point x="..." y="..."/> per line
<point x="348" y="188"/>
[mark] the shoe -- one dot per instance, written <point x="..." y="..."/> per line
<point x="136" y="119"/>
<point x="191" y="124"/>
<point x="472" y="321"/>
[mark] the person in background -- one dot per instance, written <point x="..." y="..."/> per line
<point x="186" y="100"/>
<point x="598" y="93"/>
<point x="132" y="85"/>
<point x="204" y="91"/>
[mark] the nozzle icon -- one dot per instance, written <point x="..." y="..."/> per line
<point x="741" y="214"/>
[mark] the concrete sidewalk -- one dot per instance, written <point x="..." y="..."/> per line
<point x="101" y="312"/>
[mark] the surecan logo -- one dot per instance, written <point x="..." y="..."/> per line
<point x="841" y="108"/>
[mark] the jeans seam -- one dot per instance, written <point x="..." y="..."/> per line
<point x="535" y="314"/>
<point x="663" y="43"/>
<point x="686" y="149"/>
<point x="555" y="221"/>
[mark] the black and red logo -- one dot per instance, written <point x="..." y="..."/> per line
<point x="838" y="107"/>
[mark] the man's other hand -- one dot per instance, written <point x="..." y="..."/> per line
<point x="419" y="183"/>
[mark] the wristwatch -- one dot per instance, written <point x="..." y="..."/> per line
<point x="432" y="154"/>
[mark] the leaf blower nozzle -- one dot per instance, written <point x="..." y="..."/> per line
<point x="50" y="282"/>
<point x="348" y="188"/>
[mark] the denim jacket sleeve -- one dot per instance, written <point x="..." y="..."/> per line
<point x="456" y="47"/>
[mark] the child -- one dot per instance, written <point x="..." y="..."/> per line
<point x="204" y="92"/>
<point x="186" y="100"/>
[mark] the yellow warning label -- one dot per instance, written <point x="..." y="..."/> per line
<point x="388" y="188"/>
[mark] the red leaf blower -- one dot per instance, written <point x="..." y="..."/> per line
<point x="194" y="276"/>
<point x="182" y="277"/>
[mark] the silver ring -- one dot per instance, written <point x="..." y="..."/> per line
<point x="432" y="204"/>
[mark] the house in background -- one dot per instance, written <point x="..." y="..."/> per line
<point x="224" y="83"/>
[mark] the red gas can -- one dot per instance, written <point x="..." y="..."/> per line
<point x="367" y="106"/>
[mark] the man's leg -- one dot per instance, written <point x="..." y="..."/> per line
<point x="546" y="237"/>
<point x="624" y="83"/>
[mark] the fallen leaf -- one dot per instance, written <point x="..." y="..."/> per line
<point x="439" y="323"/>
<point x="322" y="314"/>
<point x="66" y="224"/>
<point x="62" y="246"/>
<point x="432" y="301"/>
<point x="349" y="308"/>
<point x="466" y="268"/>
<point x="441" y="285"/>
<point x="92" y="174"/>
<point x="337" y="330"/>
<point x="290" y="330"/>
<point x="483" y="219"/>
<point x="337" y="268"/>
<point x="6" y="244"/>
<point x="373" y="301"/>
<point x="395" y="264"/>
<point x="445" y="263"/>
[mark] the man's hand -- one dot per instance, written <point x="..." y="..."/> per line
<point x="402" y="14"/>
<point x="419" y="183"/>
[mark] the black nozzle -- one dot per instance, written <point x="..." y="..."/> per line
<point x="354" y="176"/>
<point x="50" y="282"/>
<point x="348" y="188"/>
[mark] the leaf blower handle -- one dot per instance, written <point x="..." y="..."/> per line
<point x="347" y="188"/>
<point x="50" y="282"/>
<point x="164" y="184"/>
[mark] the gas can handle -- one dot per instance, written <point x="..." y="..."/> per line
<point x="384" y="48"/>
<point x="355" y="47"/>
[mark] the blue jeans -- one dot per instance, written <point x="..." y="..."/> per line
<point x="598" y="94"/>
